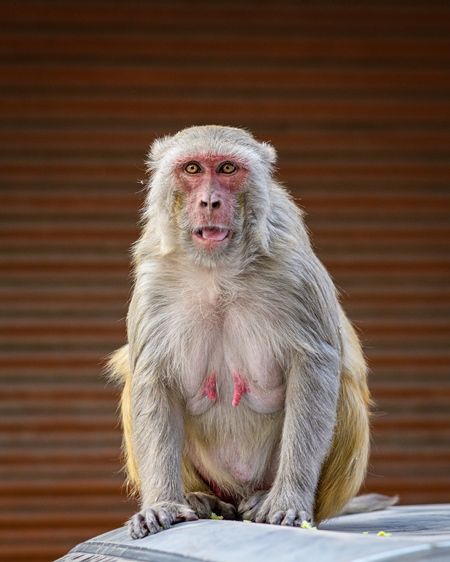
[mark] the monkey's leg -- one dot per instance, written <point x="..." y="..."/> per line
<point x="310" y="415"/>
<point x="158" y="432"/>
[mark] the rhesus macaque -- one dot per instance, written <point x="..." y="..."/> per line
<point x="244" y="383"/>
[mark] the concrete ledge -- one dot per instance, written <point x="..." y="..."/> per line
<point x="417" y="533"/>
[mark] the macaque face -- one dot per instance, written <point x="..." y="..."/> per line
<point x="211" y="186"/>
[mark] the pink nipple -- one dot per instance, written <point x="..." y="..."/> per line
<point x="209" y="388"/>
<point x="240" y="388"/>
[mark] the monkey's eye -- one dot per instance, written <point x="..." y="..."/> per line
<point x="192" y="168"/>
<point x="227" y="168"/>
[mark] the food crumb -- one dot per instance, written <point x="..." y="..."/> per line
<point x="215" y="516"/>
<point x="383" y="534"/>
<point x="308" y="525"/>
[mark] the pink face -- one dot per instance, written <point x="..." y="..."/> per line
<point x="211" y="185"/>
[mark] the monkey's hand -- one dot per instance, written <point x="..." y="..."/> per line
<point x="158" y="517"/>
<point x="205" y="504"/>
<point x="262" y="507"/>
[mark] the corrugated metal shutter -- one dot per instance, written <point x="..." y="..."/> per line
<point x="355" y="96"/>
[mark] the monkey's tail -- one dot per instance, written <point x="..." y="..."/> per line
<point x="368" y="502"/>
<point x="118" y="366"/>
<point x="118" y="371"/>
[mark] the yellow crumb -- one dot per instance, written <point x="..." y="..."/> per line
<point x="308" y="525"/>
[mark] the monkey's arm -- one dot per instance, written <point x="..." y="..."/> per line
<point x="158" y="432"/>
<point x="310" y="416"/>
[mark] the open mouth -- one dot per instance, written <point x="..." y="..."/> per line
<point x="213" y="234"/>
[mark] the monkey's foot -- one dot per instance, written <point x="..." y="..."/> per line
<point x="262" y="509"/>
<point x="248" y="508"/>
<point x="287" y="517"/>
<point x="205" y="504"/>
<point x="160" y="516"/>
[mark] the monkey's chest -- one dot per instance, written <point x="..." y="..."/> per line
<point x="235" y="377"/>
<point x="235" y="390"/>
<point x="230" y="354"/>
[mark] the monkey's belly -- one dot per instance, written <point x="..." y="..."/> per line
<point x="244" y="474"/>
<point x="235" y="459"/>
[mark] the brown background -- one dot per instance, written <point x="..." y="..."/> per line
<point x="355" y="96"/>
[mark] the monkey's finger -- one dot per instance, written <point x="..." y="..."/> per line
<point x="227" y="510"/>
<point x="263" y="516"/>
<point x="277" y="518"/>
<point x="164" y="519"/>
<point x="289" y="518"/>
<point x="185" y="514"/>
<point x="152" y="521"/>
<point x="203" y="502"/>
<point x="200" y="504"/>
<point x="304" y="520"/>
<point x="305" y="517"/>
<point x="136" y="527"/>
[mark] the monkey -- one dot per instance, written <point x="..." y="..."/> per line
<point x="244" y="384"/>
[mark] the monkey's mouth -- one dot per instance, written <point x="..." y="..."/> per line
<point x="212" y="234"/>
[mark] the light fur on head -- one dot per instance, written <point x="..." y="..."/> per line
<point x="166" y="153"/>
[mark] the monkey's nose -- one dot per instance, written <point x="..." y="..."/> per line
<point x="213" y="204"/>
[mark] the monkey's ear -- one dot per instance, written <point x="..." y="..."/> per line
<point x="156" y="151"/>
<point x="269" y="154"/>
